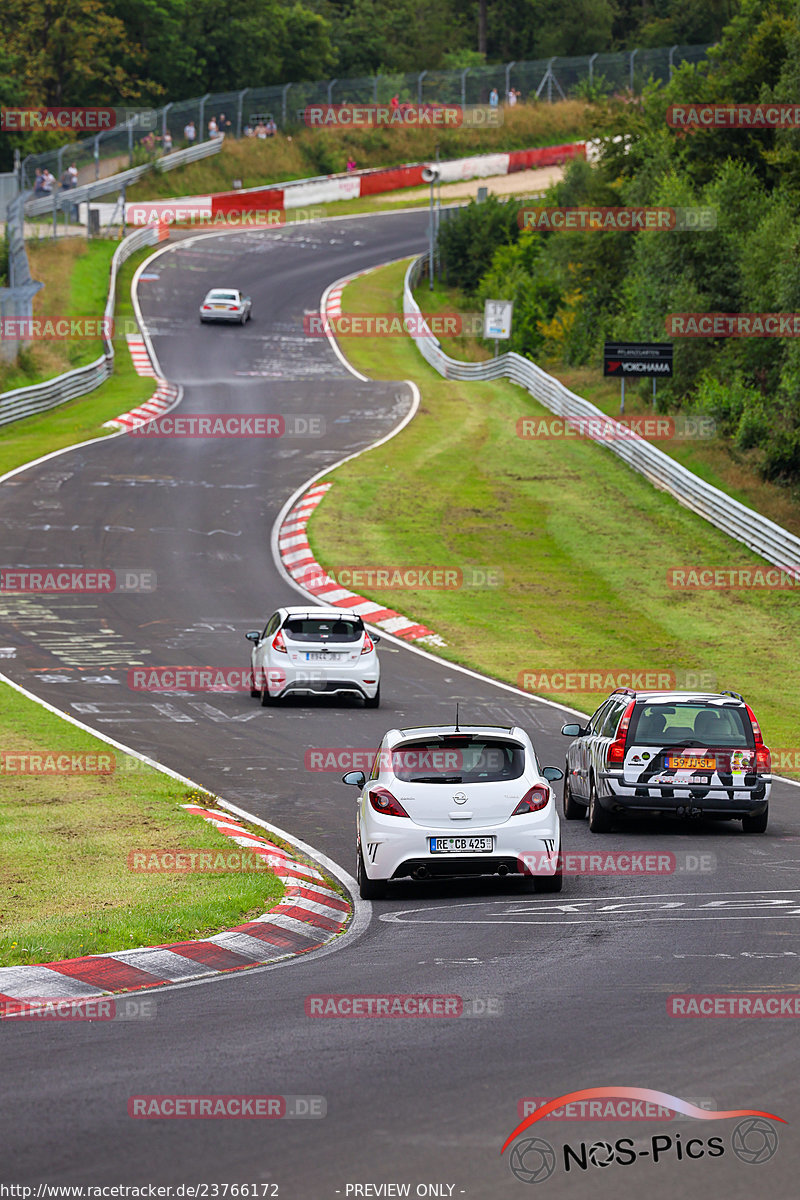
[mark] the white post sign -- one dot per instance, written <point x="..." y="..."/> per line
<point x="497" y="319"/>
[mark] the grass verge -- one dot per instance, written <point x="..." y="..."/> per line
<point x="583" y="544"/>
<point x="66" y="888"/>
<point x="310" y="152"/>
<point x="82" y="419"/>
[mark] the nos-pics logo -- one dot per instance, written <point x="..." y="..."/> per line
<point x="754" y="1140"/>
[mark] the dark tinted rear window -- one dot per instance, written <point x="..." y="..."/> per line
<point x="690" y="723"/>
<point x="323" y="629"/>
<point x="458" y="760"/>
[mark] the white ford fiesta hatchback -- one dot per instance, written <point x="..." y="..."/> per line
<point x="314" y="652"/>
<point x="444" y="800"/>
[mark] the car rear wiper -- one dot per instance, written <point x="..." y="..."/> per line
<point x="435" y="779"/>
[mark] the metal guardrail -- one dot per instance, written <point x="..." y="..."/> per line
<point x="774" y="543"/>
<point x="40" y="397"/>
<point x="16" y="300"/>
<point x="62" y="199"/>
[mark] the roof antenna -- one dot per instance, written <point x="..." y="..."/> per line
<point x="457" y="729"/>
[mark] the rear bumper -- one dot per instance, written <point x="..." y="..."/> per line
<point x="714" y="799"/>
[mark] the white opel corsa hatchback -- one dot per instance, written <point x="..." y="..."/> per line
<point x="311" y="651"/>
<point x="449" y="800"/>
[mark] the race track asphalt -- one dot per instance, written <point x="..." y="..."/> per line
<point x="576" y="984"/>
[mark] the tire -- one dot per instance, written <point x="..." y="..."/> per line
<point x="599" y="819"/>
<point x="243" y="319"/>
<point x="368" y="889"/>
<point x="266" y="699"/>
<point x="254" y="691"/>
<point x="756" y="823"/>
<point x="549" y="883"/>
<point x="572" y="810"/>
<point x="375" y="702"/>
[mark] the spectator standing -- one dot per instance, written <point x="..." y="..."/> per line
<point x="189" y="133"/>
<point x="47" y="182"/>
<point x="38" y="182"/>
<point x="167" y="142"/>
<point x="351" y="164"/>
<point x="394" y="102"/>
<point x="213" y="128"/>
<point x="223" y="124"/>
<point x="493" y="98"/>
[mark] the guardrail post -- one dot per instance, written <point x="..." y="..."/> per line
<point x="201" y="133"/>
<point x="239" y="107"/>
<point x="420" y="78"/>
<point x="284" y="95"/>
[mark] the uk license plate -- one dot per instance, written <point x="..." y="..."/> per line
<point x="689" y="762"/>
<point x="462" y="845"/>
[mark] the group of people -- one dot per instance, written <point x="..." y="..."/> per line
<point x="261" y="129"/>
<point x="513" y="96"/>
<point x="217" y="127"/>
<point x="44" y="181"/>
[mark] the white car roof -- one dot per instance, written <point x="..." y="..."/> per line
<point x="223" y="291"/>
<point x="311" y="610"/>
<point x="395" y="736"/>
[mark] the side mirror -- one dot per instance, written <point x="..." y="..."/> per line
<point x="553" y="774"/>
<point x="574" y="730"/>
<point x="356" y="778"/>
<point x="376" y="637"/>
<point x="253" y="635"/>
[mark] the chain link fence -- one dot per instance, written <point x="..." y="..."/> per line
<point x="16" y="300"/>
<point x="541" y="79"/>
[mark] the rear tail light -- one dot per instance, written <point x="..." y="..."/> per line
<point x="368" y="646"/>
<point x="278" y="643"/>
<point x="616" y="751"/>
<point x="206" y="308"/>
<point x="384" y="802"/>
<point x="763" y="756"/>
<point x="533" y="801"/>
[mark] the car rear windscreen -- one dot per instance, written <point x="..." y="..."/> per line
<point x="691" y="724"/>
<point x="458" y="760"/>
<point x="323" y="629"/>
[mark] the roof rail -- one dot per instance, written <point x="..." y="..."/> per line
<point x="735" y="695"/>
